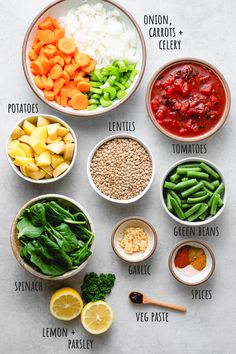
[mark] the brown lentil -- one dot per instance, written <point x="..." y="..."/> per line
<point x="121" y="168"/>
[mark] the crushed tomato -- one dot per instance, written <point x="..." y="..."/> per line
<point x="188" y="99"/>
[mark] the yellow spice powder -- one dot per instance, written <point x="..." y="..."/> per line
<point x="134" y="239"/>
<point x="197" y="258"/>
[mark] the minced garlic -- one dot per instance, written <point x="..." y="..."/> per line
<point x="134" y="239"/>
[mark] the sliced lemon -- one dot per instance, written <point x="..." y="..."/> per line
<point x="66" y="304"/>
<point x="97" y="317"/>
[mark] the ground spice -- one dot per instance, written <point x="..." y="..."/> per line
<point x="182" y="257"/>
<point x="197" y="258"/>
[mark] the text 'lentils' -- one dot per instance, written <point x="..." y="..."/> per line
<point x="121" y="168"/>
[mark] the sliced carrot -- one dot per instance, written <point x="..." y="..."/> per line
<point x="33" y="55"/>
<point x="79" y="101"/>
<point x="49" y="95"/>
<point x="49" y="84"/>
<point x="71" y="89"/>
<point x="82" y="73"/>
<point x="83" y="86"/>
<point x="66" y="46"/>
<point x="38" y="82"/>
<point x="55" y="71"/>
<point x="65" y="76"/>
<point x="46" y="63"/>
<point x="78" y="78"/>
<point x="64" y="97"/>
<point x="46" y="23"/>
<point x="82" y="59"/>
<point x="36" y="65"/>
<point x="59" y="60"/>
<point x="38" y="47"/>
<point x="50" y="50"/>
<point x="59" y="33"/>
<point x="90" y="67"/>
<point x="43" y="80"/>
<point x="58" y="99"/>
<point x="58" y="84"/>
<point x="69" y="103"/>
<point x="46" y="36"/>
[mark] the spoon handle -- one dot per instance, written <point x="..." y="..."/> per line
<point x="169" y="306"/>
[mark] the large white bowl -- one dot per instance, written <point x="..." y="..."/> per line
<point x="185" y="222"/>
<point x="60" y="8"/>
<point x="53" y="119"/>
<point x="15" y="242"/>
<point x="120" y="201"/>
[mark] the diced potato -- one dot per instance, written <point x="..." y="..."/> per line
<point x="27" y="149"/>
<point x="17" y="151"/>
<point x="40" y="133"/>
<point x="13" y="144"/>
<point x="37" y="145"/>
<point x="28" y="127"/>
<point x="47" y="176"/>
<point x="56" y="160"/>
<point x="42" y="121"/>
<point x="40" y="174"/>
<point x="24" y="139"/>
<point x="23" y="160"/>
<point x="53" y="141"/>
<point x="31" y="167"/>
<point x="23" y="171"/>
<point x="62" y="131"/>
<point x="17" y="133"/>
<point x="69" y="151"/>
<point x="68" y="138"/>
<point x="60" y="169"/>
<point x="36" y="157"/>
<point x="57" y="148"/>
<point x="48" y="170"/>
<point x="52" y="130"/>
<point x="44" y="159"/>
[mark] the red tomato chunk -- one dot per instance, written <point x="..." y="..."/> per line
<point x="188" y="100"/>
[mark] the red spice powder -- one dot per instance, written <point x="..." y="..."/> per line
<point x="182" y="257"/>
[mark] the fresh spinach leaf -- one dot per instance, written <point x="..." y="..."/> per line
<point x="26" y="228"/>
<point x="82" y="254"/>
<point x="37" y="213"/>
<point x="57" y="213"/>
<point x="55" y="251"/>
<point x="64" y="236"/>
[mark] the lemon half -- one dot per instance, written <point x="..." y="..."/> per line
<point x="97" y="317"/>
<point x="66" y="304"/>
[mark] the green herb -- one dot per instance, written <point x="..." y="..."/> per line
<point x="54" y="239"/>
<point x="96" y="287"/>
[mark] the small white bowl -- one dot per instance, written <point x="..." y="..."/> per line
<point x="134" y="221"/>
<point x="53" y="119"/>
<point x="119" y="201"/>
<point x="185" y="222"/>
<point x="203" y="275"/>
<point x="15" y="242"/>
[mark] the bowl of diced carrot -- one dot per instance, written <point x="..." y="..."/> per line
<point x="64" y="77"/>
<point x="42" y="148"/>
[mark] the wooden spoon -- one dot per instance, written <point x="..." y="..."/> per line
<point x="139" y="298"/>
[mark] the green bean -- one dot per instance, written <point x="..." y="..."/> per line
<point x="197" y="199"/>
<point x="199" y="194"/>
<point x="192" y="190"/>
<point x="221" y="203"/>
<point x="210" y="193"/>
<point x="203" y="216"/>
<point x="176" y="197"/>
<point x="186" y="206"/>
<point x="190" y="165"/>
<point x="192" y="210"/>
<point x="215" y="183"/>
<point x="182" y="185"/>
<point x="219" y="190"/>
<point x="184" y="171"/>
<point x="209" y="170"/>
<point x="208" y="185"/>
<point x="200" y="211"/>
<point x="174" y="178"/>
<point x="177" y="209"/>
<point x="196" y="174"/>
<point x="184" y="179"/>
<point x="169" y="205"/>
<point x="169" y="185"/>
<point x="214" y="204"/>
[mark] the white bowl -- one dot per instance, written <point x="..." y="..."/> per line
<point x="15" y="242"/>
<point x="200" y="277"/>
<point x="134" y="221"/>
<point x="33" y="119"/>
<point x="185" y="222"/>
<point x="60" y="8"/>
<point x="120" y="201"/>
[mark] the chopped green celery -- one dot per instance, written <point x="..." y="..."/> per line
<point x="122" y="66"/>
<point x="133" y="74"/>
<point x="111" y="91"/>
<point x="105" y="103"/>
<point x="91" y="107"/>
<point x="96" y="90"/>
<point x="121" y="94"/>
<point x="118" y="84"/>
<point x="95" y="83"/>
<point x="131" y="67"/>
<point x="111" y="80"/>
<point x="93" y="101"/>
<point x="95" y="96"/>
<point x="128" y="84"/>
<point x="99" y="75"/>
<point x="106" y="96"/>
